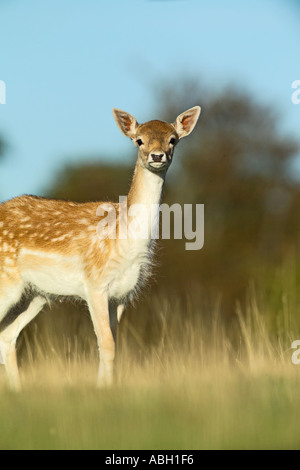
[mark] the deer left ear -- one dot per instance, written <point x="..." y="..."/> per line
<point x="186" y="121"/>
<point x="126" y="123"/>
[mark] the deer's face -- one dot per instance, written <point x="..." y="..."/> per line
<point x="156" y="140"/>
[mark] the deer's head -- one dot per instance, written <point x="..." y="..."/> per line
<point x="156" y="140"/>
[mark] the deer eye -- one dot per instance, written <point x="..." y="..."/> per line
<point x="172" y="141"/>
<point x="139" y="142"/>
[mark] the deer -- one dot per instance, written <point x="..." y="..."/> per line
<point x="52" y="249"/>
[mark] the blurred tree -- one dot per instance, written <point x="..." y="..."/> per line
<point x="92" y="182"/>
<point x="237" y="164"/>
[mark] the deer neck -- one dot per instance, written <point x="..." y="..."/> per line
<point x="146" y="192"/>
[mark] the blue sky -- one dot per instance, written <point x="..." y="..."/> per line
<point x="67" y="63"/>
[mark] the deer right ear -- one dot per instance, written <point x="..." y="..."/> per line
<point x="125" y="122"/>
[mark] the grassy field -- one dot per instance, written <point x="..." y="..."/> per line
<point x="222" y="409"/>
<point x="203" y="384"/>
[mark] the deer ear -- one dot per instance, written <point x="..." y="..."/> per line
<point x="186" y="121"/>
<point x="125" y="122"/>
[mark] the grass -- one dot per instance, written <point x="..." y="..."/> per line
<point x="236" y="412"/>
<point x="202" y="384"/>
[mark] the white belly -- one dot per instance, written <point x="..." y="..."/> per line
<point x="52" y="273"/>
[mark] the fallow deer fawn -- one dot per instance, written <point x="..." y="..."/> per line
<point x="53" y="247"/>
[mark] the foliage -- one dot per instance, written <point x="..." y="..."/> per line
<point x="92" y="182"/>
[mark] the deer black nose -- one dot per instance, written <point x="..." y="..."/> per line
<point x="156" y="157"/>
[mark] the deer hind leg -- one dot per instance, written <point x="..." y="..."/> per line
<point x="116" y="310"/>
<point x="10" y="294"/>
<point x="120" y="311"/>
<point x="9" y="336"/>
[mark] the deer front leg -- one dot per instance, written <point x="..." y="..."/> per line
<point x="99" y="310"/>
